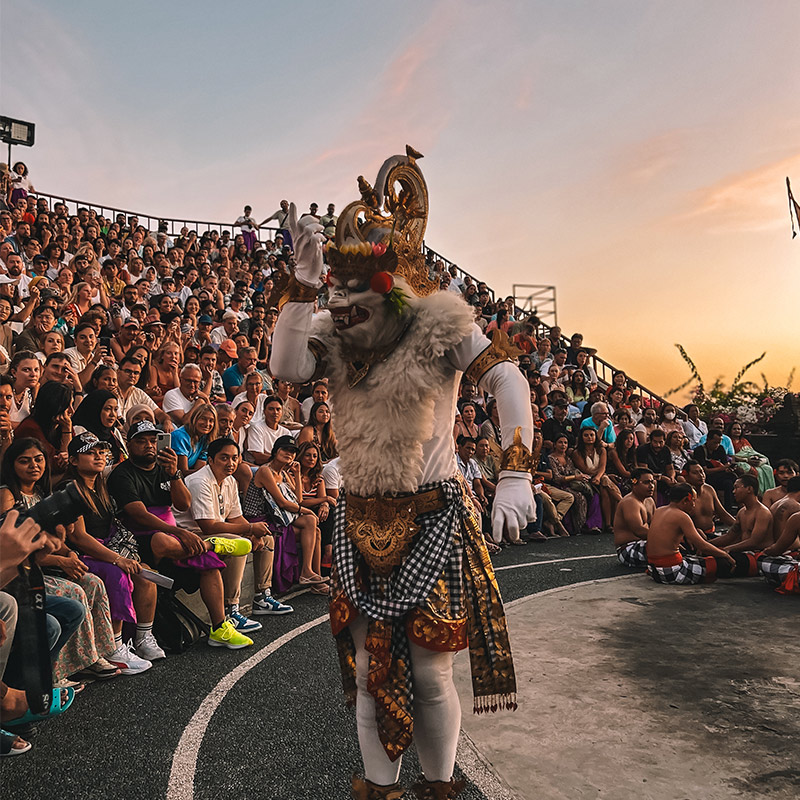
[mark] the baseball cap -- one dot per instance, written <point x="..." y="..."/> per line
<point x="131" y="323"/>
<point x="141" y="428"/>
<point x="83" y="443"/>
<point x="284" y="443"/>
<point x="204" y="319"/>
<point x="229" y="348"/>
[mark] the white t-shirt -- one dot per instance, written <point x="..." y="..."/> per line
<point x="246" y="223"/>
<point x="218" y="335"/>
<point x="260" y="438"/>
<point x="78" y="361"/>
<point x="694" y="432"/>
<point x="174" y="400"/>
<point x="209" y="499"/>
<point x="136" y="397"/>
<point x="331" y="475"/>
<point x="258" y="414"/>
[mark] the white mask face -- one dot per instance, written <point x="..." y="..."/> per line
<point x="670" y="415"/>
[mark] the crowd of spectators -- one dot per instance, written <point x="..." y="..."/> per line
<point x="135" y="366"/>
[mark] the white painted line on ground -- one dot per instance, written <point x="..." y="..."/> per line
<point x="184" y="762"/>
<point x="568" y="586"/>
<point x="552" y="561"/>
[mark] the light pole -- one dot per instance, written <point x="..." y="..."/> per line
<point x="16" y="131"/>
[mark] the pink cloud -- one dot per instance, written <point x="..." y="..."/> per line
<point x="653" y="156"/>
<point x="754" y="200"/>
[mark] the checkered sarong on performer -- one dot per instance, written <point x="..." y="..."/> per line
<point x="776" y="568"/>
<point x="447" y="574"/>
<point x="690" y="570"/>
<point x="432" y="556"/>
<point x="633" y="554"/>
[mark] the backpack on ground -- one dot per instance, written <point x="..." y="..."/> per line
<point x="175" y="626"/>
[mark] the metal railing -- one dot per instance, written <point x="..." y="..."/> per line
<point x="603" y="368"/>
<point x="174" y="226"/>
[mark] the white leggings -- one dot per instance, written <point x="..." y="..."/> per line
<point x="437" y="714"/>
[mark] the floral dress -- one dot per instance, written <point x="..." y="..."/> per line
<point x="95" y="636"/>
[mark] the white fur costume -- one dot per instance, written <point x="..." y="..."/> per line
<point x="395" y="434"/>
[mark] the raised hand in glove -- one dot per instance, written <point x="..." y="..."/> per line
<point x="307" y="238"/>
<point x="513" y="506"/>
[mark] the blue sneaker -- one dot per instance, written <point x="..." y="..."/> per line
<point x="266" y="604"/>
<point x="242" y="623"/>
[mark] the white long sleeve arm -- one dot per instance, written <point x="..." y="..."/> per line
<point x="291" y="360"/>
<point x="507" y="385"/>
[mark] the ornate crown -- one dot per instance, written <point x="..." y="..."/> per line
<point x="383" y="231"/>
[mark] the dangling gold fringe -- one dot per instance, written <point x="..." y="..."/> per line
<point x="493" y="702"/>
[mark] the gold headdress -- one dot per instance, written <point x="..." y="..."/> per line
<point x="383" y="231"/>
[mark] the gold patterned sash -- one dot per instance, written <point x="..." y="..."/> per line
<point x="383" y="527"/>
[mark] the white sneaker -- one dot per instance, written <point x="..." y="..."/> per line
<point x="127" y="661"/>
<point x="266" y="604"/>
<point x="147" y="648"/>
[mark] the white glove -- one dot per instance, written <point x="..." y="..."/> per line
<point x="307" y="239"/>
<point x="513" y="506"/>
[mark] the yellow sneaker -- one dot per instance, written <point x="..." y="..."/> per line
<point x="227" y="636"/>
<point x="230" y="547"/>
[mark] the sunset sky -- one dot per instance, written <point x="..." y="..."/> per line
<point x="632" y="153"/>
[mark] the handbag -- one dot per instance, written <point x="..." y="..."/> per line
<point x="283" y="516"/>
<point x="122" y="541"/>
<point x="582" y="487"/>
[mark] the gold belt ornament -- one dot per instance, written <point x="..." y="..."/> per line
<point x="383" y="527"/>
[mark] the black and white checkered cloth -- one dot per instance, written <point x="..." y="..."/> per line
<point x="432" y="555"/>
<point x="691" y="570"/>
<point x="776" y="568"/>
<point x="633" y="554"/>
<point x="436" y="553"/>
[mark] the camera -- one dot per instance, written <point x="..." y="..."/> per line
<point x="59" y="508"/>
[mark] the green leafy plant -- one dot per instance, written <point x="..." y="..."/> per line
<point x="744" y="400"/>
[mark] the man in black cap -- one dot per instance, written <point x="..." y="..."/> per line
<point x="146" y="487"/>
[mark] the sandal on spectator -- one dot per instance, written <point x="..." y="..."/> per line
<point x="322" y="589"/>
<point x="312" y="581"/>
<point x="60" y="701"/>
<point x="535" y="536"/>
<point x="13" y="745"/>
<point x="68" y="683"/>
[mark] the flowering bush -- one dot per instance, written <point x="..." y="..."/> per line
<point x="745" y="401"/>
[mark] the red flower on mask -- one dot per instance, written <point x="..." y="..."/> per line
<point x="378" y="249"/>
<point x="382" y="282"/>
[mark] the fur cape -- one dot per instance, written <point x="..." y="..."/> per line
<point x="382" y="423"/>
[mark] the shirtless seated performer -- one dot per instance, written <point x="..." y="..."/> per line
<point x="782" y="510"/>
<point x="632" y="519"/>
<point x="670" y="525"/>
<point x="752" y="531"/>
<point x="708" y="507"/>
<point x="782" y="558"/>
<point x="784" y="470"/>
